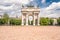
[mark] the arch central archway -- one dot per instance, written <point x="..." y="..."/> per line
<point x="30" y="22"/>
<point x="33" y="12"/>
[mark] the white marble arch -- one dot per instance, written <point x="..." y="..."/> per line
<point x="34" y="12"/>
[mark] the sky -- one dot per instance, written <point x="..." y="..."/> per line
<point x="48" y="8"/>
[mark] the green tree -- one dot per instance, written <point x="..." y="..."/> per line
<point x="58" y="20"/>
<point x="2" y="21"/>
<point x="51" y="21"/>
<point x="44" y="21"/>
<point x="6" y="18"/>
<point x="15" y="22"/>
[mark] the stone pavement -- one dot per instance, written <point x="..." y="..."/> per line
<point x="29" y="33"/>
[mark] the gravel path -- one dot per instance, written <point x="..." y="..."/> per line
<point x="29" y="33"/>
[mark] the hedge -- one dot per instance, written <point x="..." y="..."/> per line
<point x="58" y="20"/>
<point x="15" y="22"/>
<point x="46" y="21"/>
<point x="2" y="22"/>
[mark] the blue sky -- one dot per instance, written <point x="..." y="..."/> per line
<point x="45" y="3"/>
<point x="49" y="8"/>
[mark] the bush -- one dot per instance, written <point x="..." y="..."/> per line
<point x="6" y="18"/>
<point x="51" y="21"/>
<point x="2" y="22"/>
<point x="15" y="22"/>
<point x="58" y="20"/>
<point x="44" y="21"/>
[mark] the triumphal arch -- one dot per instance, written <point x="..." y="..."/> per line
<point x="30" y="11"/>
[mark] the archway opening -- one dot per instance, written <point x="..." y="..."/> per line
<point x="30" y="21"/>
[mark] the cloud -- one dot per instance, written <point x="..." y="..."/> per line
<point x="16" y="1"/>
<point x="12" y="7"/>
<point x="43" y="1"/>
<point x="54" y="5"/>
<point x="52" y="10"/>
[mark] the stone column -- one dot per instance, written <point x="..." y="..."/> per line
<point x="34" y="19"/>
<point x="22" y="20"/>
<point x="38" y="19"/>
<point x="26" y="19"/>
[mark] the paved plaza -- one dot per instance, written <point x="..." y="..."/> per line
<point x="29" y="33"/>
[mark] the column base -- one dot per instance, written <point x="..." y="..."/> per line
<point x="22" y="24"/>
<point x="34" y="24"/>
<point x="26" y="24"/>
<point x="38" y="24"/>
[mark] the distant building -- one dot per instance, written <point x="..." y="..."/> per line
<point x="1" y="16"/>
